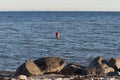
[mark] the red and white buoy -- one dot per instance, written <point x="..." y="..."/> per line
<point x="57" y="34"/>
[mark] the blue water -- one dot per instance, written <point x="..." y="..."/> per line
<point x="84" y="36"/>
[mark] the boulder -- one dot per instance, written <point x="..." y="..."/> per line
<point x="50" y="64"/>
<point x="104" y="69"/>
<point x="69" y="69"/>
<point x="41" y="66"/>
<point x="115" y="63"/>
<point x="97" y="61"/>
<point x="72" y="69"/>
<point x="29" y="68"/>
<point x="99" y="66"/>
<point x="82" y="71"/>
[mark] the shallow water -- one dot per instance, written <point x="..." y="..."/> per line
<point x="31" y="35"/>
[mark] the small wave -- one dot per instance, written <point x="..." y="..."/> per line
<point x="9" y="29"/>
<point x="4" y="56"/>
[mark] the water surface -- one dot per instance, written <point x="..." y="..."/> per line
<point x="31" y="35"/>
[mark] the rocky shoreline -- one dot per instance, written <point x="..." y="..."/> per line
<point x="60" y="77"/>
<point x="55" y="68"/>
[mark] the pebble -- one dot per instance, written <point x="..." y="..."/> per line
<point x="83" y="78"/>
<point x="22" y="77"/>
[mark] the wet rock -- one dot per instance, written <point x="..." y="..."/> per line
<point x="29" y="68"/>
<point x="83" y="71"/>
<point x="116" y="73"/>
<point x="50" y="64"/>
<point x="69" y="69"/>
<point x="72" y="69"/>
<point x="115" y="63"/>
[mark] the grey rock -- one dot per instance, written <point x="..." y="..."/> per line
<point x="41" y="66"/>
<point x="69" y="69"/>
<point x="50" y="64"/>
<point x="104" y="69"/>
<point x="29" y="68"/>
<point x="72" y="69"/>
<point x="97" y="61"/>
<point x="99" y="66"/>
<point x="116" y="73"/>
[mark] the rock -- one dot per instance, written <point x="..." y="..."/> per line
<point x="115" y="63"/>
<point x="67" y="79"/>
<point x="93" y="66"/>
<point x="58" y="79"/>
<point x="116" y="73"/>
<point x="91" y="71"/>
<point x="69" y="69"/>
<point x="72" y="69"/>
<point x="41" y="66"/>
<point x="99" y="66"/>
<point x="21" y="77"/>
<point x="50" y="64"/>
<point x="29" y="68"/>
<point x="83" y="71"/>
<point x="97" y="61"/>
<point x="12" y="79"/>
<point x="104" y="69"/>
<point x="108" y="69"/>
<point x="111" y="78"/>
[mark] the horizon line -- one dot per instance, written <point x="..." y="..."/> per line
<point x="59" y="10"/>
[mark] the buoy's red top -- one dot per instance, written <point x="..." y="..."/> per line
<point x="57" y="34"/>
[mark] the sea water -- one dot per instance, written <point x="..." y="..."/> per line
<point x="84" y="36"/>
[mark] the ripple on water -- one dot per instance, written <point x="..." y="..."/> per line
<point x="31" y="35"/>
